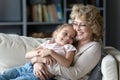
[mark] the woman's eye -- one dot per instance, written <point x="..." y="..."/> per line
<point x="75" y="24"/>
<point x="83" y="25"/>
<point x="80" y="25"/>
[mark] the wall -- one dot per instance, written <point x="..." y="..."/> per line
<point x="113" y="23"/>
<point x="10" y="11"/>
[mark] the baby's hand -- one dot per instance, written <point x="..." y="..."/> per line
<point x="45" y="52"/>
<point x="40" y="47"/>
<point x="38" y="51"/>
<point x="34" y="60"/>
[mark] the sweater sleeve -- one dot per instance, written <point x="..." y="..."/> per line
<point x="83" y="65"/>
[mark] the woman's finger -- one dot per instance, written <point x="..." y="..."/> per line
<point x="50" y="62"/>
<point x="44" y="70"/>
<point x="47" y="61"/>
<point x="36" y="74"/>
<point x="41" y="76"/>
<point x="41" y="71"/>
<point x="45" y="74"/>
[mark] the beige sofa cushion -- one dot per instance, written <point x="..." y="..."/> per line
<point x="109" y="68"/>
<point x="13" y="49"/>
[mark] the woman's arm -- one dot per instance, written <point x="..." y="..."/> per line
<point x="83" y="64"/>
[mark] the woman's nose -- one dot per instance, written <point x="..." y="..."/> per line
<point x="78" y="28"/>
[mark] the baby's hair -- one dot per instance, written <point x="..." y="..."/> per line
<point x="59" y="28"/>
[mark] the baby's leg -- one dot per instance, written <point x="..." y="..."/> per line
<point x="9" y="74"/>
<point x="15" y="72"/>
<point x="26" y="76"/>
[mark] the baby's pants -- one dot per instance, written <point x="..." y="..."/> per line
<point x="24" y="72"/>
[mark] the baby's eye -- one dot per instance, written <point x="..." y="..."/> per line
<point x="72" y="38"/>
<point x="65" y="33"/>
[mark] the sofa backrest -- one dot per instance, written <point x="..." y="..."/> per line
<point x="13" y="49"/>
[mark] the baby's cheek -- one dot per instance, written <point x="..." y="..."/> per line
<point x="71" y="41"/>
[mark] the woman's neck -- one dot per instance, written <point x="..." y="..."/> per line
<point x="82" y="43"/>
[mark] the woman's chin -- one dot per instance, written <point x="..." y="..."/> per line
<point x="77" y="39"/>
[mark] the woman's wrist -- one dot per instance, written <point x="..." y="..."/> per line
<point x="51" y="53"/>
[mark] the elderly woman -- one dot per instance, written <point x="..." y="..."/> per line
<point x="87" y="21"/>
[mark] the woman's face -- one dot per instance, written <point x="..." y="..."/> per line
<point x="84" y="31"/>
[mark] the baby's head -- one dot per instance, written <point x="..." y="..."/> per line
<point x="64" y="34"/>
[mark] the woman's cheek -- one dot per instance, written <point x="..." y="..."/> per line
<point x="77" y="38"/>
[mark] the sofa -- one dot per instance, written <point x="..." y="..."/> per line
<point x="14" y="47"/>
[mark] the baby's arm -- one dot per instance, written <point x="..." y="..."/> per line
<point x="63" y="60"/>
<point x="36" y="51"/>
<point x="48" y="60"/>
<point x="33" y="53"/>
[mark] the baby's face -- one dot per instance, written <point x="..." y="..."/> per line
<point x="65" y="35"/>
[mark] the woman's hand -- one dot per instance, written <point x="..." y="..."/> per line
<point x="45" y="52"/>
<point x="48" y="60"/>
<point x="40" y="71"/>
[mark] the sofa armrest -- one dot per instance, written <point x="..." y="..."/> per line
<point x="109" y="68"/>
<point x="116" y="54"/>
<point x="113" y="51"/>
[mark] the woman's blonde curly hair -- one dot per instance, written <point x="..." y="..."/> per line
<point x="91" y="15"/>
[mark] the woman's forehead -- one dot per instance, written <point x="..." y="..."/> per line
<point x="79" y="20"/>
